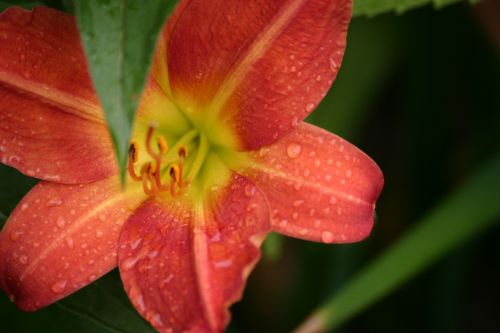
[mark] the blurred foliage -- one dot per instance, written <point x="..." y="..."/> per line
<point x="419" y="94"/>
<point x="373" y="7"/>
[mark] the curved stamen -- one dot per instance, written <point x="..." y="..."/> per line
<point x="133" y="156"/>
<point x="174" y="179"/>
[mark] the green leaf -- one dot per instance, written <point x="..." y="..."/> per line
<point x="461" y="217"/>
<point x="119" y="38"/>
<point x="101" y="307"/>
<point x="105" y="304"/>
<point x="374" y="7"/>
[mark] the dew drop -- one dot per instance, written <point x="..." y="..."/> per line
<point x="223" y="263"/>
<point x="333" y="200"/>
<point x="295" y="215"/>
<point x="60" y="222"/>
<point x="328" y="177"/>
<point x="23" y="259"/>
<point x="310" y="107"/>
<point x="327" y="237"/>
<point x="293" y="150"/>
<point x="333" y="64"/>
<point x="297" y="203"/>
<point x="14" y="235"/>
<point x="24" y="206"/>
<point x="129" y="263"/>
<point x="54" y="202"/>
<point x="59" y="286"/>
<point x="99" y="233"/>
<point x="69" y="242"/>
<point x="249" y="190"/>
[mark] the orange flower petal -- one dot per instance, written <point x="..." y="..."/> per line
<point x="184" y="264"/>
<point x="45" y="142"/>
<point x="319" y="186"/>
<point x="61" y="238"/>
<point x="258" y="66"/>
<point x="50" y="124"/>
<point x="41" y="55"/>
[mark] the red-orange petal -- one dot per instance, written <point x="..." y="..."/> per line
<point x="50" y="124"/>
<point x="319" y="186"/>
<point x="258" y="66"/>
<point x="183" y="263"/>
<point x="61" y="238"/>
<point x="41" y="55"/>
<point x="45" y="142"/>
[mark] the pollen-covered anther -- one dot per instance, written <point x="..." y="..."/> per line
<point x="133" y="156"/>
<point x="175" y="177"/>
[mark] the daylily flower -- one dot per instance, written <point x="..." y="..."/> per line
<point x="219" y="157"/>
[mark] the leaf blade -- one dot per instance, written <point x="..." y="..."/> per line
<point x="463" y="215"/>
<point x="375" y="7"/>
<point x="119" y="39"/>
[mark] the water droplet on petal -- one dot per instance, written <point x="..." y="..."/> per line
<point x="310" y="107"/>
<point x="333" y="200"/>
<point x="70" y="242"/>
<point x="60" y="222"/>
<point x="223" y="263"/>
<point x="23" y="259"/>
<point x="59" y="286"/>
<point x="293" y="150"/>
<point x="24" y="206"/>
<point x="249" y="190"/>
<point x="129" y="263"/>
<point x="333" y="64"/>
<point x="14" y="235"/>
<point x="54" y="202"/>
<point x="297" y="203"/>
<point x="327" y="237"/>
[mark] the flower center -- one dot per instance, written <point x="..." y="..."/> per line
<point x="166" y="169"/>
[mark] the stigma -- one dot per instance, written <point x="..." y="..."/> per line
<point x="163" y="172"/>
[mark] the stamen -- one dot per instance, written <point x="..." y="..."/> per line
<point x="173" y="160"/>
<point x="162" y="144"/>
<point x="148" y="184"/>
<point x="133" y="156"/>
<point x="149" y="137"/>
<point x="174" y="179"/>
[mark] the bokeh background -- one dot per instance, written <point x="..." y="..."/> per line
<point x="420" y="93"/>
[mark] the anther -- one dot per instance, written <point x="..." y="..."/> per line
<point x="162" y="144"/>
<point x="174" y="179"/>
<point x="133" y="156"/>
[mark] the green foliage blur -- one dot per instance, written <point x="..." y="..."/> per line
<point x="420" y="94"/>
